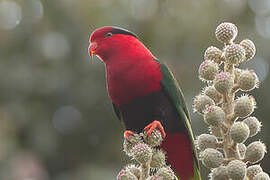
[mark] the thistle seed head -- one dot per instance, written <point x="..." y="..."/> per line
<point x="254" y="125"/>
<point x="136" y="170"/>
<point x="252" y="171"/>
<point x="248" y="80"/>
<point x="250" y="49"/>
<point x="214" y="115"/>
<point x="211" y="158"/>
<point x="158" y="159"/>
<point x="219" y="173"/>
<point x="126" y="175"/>
<point x="244" y="106"/>
<point x="200" y="102"/>
<point x="234" y="54"/>
<point x="226" y="32"/>
<point x="166" y="173"/>
<point x="223" y="82"/>
<point x="154" y="139"/>
<point x="213" y="54"/>
<point x="208" y="70"/>
<point x="255" y="152"/>
<point x="262" y="176"/>
<point x="213" y="94"/>
<point x="239" y="132"/>
<point x="205" y="141"/>
<point x="141" y="153"/>
<point x="237" y="169"/>
<point x="130" y="142"/>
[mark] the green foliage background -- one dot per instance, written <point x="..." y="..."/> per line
<point x="56" y="120"/>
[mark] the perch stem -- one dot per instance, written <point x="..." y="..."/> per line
<point x="145" y="171"/>
<point x="229" y="147"/>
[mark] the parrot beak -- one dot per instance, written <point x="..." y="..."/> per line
<point x="92" y="48"/>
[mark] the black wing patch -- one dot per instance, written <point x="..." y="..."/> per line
<point x="117" y="30"/>
<point x="117" y="111"/>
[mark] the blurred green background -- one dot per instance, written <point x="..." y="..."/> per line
<point x="56" y="120"/>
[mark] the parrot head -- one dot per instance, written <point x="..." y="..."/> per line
<point x="109" y="40"/>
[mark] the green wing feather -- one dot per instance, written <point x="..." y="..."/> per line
<point x="172" y="88"/>
<point x="117" y="111"/>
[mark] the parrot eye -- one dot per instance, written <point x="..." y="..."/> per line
<point x="108" y="34"/>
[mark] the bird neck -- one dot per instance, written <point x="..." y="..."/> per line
<point x="131" y="74"/>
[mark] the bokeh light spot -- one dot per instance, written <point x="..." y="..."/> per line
<point x="54" y="45"/>
<point x="10" y="15"/>
<point x="143" y="10"/>
<point x="233" y="7"/>
<point x="35" y="10"/>
<point x="260" y="7"/>
<point x="263" y="26"/>
<point x="66" y="118"/>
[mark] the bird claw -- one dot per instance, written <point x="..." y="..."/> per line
<point x="128" y="133"/>
<point x="152" y="126"/>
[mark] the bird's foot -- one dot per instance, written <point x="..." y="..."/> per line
<point x="128" y="133"/>
<point x="155" y="124"/>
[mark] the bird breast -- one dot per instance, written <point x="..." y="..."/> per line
<point x="126" y="82"/>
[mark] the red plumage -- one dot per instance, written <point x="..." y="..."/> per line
<point x="129" y="80"/>
<point x="133" y="74"/>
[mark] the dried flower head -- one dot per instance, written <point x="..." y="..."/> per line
<point x="248" y="80"/>
<point x="252" y="171"/>
<point x="154" y="139"/>
<point x="226" y="32"/>
<point x="205" y="141"/>
<point x="213" y="94"/>
<point x="142" y="153"/>
<point x="255" y="152"/>
<point x="125" y="174"/>
<point x="244" y="106"/>
<point x="200" y="102"/>
<point x="250" y="49"/>
<point x="213" y="54"/>
<point x="211" y="158"/>
<point x="262" y="176"/>
<point x="237" y="169"/>
<point x="214" y="115"/>
<point x="166" y="173"/>
<point x="219" y="173"/>
<point x="253" y="124"/>
<point x="136" y="170"/>
<point x="234" y="54"/>
<point x="208" y="70"/>
<point x="130" y="142"/>
<point x="158" y="159"/>
<point x="239" y="132"/>
<point x="223" y="82"/>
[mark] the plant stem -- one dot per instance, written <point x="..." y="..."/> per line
<point x="145" y="171"/>
<point x="229" y="147"/>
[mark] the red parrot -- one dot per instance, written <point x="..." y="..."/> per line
<point x="145" y="95"/>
